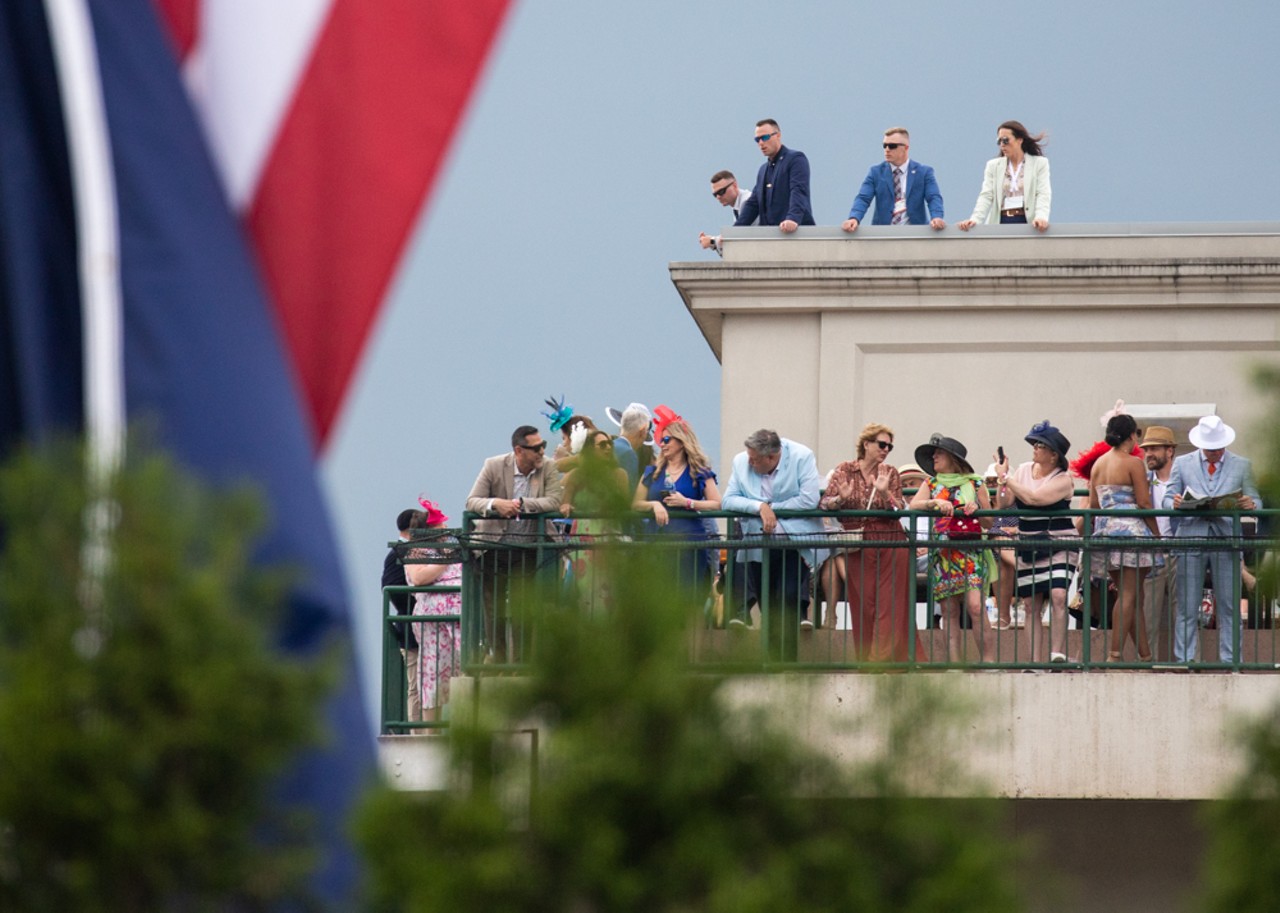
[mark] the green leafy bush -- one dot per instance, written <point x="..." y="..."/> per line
<point x="143" y="710"/>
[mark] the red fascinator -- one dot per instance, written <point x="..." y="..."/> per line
<point x="662" y="417"/>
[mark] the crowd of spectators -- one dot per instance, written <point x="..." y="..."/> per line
<point x="982" y="573"/>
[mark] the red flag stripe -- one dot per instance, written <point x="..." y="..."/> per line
<point x="181" y="18"/>
<point x="356" y="156"/>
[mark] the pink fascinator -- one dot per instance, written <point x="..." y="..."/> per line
<point x="1117" y="409"/>
<point x="435" y="516"/>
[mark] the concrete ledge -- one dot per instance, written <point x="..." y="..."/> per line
<point x="414" y="762"/>
<point x="1113" y="735"/>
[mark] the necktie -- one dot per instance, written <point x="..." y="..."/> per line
<point x="1213" y="467"/>
<point x="899" y="215"/>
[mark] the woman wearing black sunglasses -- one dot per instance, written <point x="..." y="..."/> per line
<point x="674" y="489"/>
<point x="1015" y="186"/>
<point x="876" y="578"/>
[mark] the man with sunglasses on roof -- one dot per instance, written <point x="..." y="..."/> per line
<point x="904" y="191"/>
<point x="781" y="194"/>
<point x="724" y="187"/>
<point x="511" y="487"/>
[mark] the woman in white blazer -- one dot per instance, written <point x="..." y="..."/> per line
<point x="1015" y="185"/>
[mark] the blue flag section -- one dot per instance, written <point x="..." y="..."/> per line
<point x="41" y="359"/>
<point x="202" y="359"/>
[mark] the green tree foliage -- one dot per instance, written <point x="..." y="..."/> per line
<point x="143" y="711"/>
<point x="1242" y="871"/>
<point x="659" y="789"/>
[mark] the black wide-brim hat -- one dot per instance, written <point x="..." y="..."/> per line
<point x="1051" y="437"/>
<point x="925" y="453"/>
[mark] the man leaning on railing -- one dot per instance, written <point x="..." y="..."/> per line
<point x="776" y="473"/>
<point x="509" y="488"/>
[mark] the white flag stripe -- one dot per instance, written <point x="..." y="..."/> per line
<point x="97" y="228"/>
<point x="243" y="74"/>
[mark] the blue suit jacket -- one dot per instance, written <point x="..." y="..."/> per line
<point x="1234" y="472"/>
<point x="786" y="196"/>
<point x="922" y="190"/>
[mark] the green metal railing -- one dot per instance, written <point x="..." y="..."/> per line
<point x="841" y="647"/>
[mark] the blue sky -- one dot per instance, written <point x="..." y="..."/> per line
<point x="540" y="265"/>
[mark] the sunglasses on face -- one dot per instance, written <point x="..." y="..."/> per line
<point x="666" y="439"/>
<point x="894" y="145"/>
<point x="538" y="449"/>
<point x="765" y="137"/>
<point x="722" y="191"/>
<point x="1003" y="141"/>
<point x="886" y="446"/>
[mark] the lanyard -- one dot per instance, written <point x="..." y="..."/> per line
<point x="1015" y="177"/>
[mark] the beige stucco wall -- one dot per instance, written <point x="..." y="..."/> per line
<point x="979" y="336"/>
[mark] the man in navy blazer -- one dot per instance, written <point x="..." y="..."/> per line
<point x="781" y="195"/>
<point x="919" y="189"/>
<point x="1209" y="471"/>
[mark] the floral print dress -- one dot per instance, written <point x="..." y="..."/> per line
<point x="439" y="643"/>
<point x="956" y="571"/>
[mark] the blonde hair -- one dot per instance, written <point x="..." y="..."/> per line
<point x="693" y="454"/>
<point x="869" y="434"/>
<point x="893" y="130"/>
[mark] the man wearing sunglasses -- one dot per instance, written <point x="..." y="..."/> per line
<point x="724" y="187"/>
<point x="781" y="194"/>
<point x="904" y="192"/>
<point x="510" y="487"/>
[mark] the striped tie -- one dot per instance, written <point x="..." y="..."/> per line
<point x="899" y="215"/>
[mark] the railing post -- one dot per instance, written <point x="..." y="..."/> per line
<point x="393" y="688"/>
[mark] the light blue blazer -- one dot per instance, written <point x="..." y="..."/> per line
<point x="796" y="486"/>
<point x="1234" y="472"/>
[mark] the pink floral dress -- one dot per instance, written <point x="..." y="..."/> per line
<point x="439" y="643"/>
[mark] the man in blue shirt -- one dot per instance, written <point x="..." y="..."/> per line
<point x="774" y="473"/>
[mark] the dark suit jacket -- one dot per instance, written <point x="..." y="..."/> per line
<point x="783" y="196"/>
<point x="393" y="575"/>
<point x="922" y="190"/>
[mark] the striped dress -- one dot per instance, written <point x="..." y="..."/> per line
<point x="1044" y="562"/>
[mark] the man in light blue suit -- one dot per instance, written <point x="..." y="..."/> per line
<point x="774" y="474"/>
<point x="904" y="192"/>
<point x="1208" y="472"/>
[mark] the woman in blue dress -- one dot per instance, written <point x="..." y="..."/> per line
<point x="674" y="489"/>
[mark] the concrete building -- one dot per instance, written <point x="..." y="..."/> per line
<point x="979" y="336"/>
<point x="821" y="332"/>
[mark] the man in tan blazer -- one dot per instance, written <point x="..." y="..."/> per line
<point x="510" y="487"/>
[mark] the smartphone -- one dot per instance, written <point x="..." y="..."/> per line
<point x="1000" y="454"/>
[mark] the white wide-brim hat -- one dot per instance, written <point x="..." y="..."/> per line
<point x="1211" y="433"/>
<point x="615" y="416"/>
